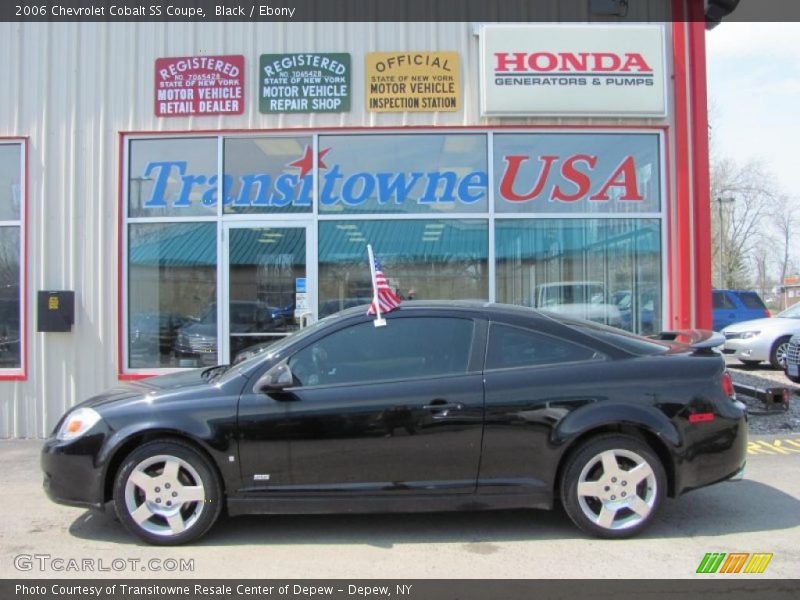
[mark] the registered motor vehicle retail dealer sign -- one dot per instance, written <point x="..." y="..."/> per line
<point x="573" y="70"/>
<point x="413" y="82"/>
<point x="304" y="83"/>
<point x="195" y="86"/>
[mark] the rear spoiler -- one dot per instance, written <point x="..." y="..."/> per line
<point x="698" y="339"/>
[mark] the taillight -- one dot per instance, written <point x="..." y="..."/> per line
<point x="767" y="313"/>
<point x="727" y="385"/>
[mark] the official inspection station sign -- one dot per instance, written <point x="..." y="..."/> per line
<point x="195" y="86"/>
<point x="304" y="83"/>
<point x="573" y="70"/>
<point x="413" y="82"/>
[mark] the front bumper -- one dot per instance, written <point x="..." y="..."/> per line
<point x="72" y="475"/>
<point x="749" y="349"/>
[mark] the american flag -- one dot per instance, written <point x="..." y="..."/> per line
<point x="387" y="299"/>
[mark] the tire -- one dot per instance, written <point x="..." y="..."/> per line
<point x="777" y="354"/>
<point x="750" y="363"/>
<point x="608" y="515"/>
<point x="167" y="493"/>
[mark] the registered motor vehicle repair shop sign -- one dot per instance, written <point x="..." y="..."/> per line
<point x="304" y="83"/>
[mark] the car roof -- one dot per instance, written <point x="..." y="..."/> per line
<point x="480" y="306"/>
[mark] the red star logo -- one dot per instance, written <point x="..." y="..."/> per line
<point x="306" y="163"/>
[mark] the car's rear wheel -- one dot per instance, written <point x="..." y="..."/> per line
<point x="612" y="486"/>
<point x="777" y="356"/>
<point x="167" y="493"/>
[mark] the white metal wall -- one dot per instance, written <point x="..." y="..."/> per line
<point x="72" y="87"/>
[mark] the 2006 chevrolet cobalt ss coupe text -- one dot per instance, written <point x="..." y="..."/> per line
<point x="449" y="406"/>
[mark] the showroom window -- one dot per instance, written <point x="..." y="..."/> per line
<point x="424" y="259"/>
<point x="172" y="253"/>
<point x="234" y="241"/>
<point x="11" y="264"/>
<point x="400" y="174"/>
<point x="268" y="175"/>
<point x="604" y="270"/>
<point x="172" y="287"/>
<point x="577" y="173"/>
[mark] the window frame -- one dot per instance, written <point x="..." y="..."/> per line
<point x="664" y="215"/>
<point x="20" y="373"/>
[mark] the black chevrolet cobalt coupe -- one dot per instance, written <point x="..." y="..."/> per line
<point x="449" y="406"/>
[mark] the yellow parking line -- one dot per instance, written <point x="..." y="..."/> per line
<point x="755" y="448"/>
<point x="773" y="447"/>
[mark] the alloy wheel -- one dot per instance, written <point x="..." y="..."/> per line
<point x="617" y="489"/>
<point x="781" y="354"/>
<point x="164" y="495"/>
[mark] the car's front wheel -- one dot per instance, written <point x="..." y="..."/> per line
<point x="167" y="493"/>
<point x="612" y="486"/>
<point x="777" y="355"/>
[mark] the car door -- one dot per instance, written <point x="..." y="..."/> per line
<point x="380" y="410"/>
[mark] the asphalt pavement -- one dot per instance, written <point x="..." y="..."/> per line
<point x="761" y="514"/>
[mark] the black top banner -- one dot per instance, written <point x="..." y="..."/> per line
<point x="477" y="11"/>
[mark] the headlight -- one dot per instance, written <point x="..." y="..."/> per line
<point x="78" y="422"/>
<point x="746" y="335"/>
<point x="741" y="335"/>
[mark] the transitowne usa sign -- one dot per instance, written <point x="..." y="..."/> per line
<point x="573" y="70"/>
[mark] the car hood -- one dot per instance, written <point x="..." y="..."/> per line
<point x="152" y="387"/>
<point x="775" y="324"/>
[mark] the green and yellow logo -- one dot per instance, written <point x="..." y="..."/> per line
<point x="735" y="562"/>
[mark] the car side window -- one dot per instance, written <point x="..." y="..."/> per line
<point x="722" y="301"/>
<point x="515" y="347"/>
<point x="405" y="348"/>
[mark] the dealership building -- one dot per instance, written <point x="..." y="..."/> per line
<point x="172" y="193"/>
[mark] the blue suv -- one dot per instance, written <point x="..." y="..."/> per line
<point x="733" y="306"/>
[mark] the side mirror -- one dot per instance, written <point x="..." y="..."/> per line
<point x="277" y="378"/>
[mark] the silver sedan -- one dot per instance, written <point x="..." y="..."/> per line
<point x="763" y="339"/>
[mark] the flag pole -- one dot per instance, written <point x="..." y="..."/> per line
<point x="379" y="321"/>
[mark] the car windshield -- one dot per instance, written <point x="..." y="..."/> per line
<point x="793" y="312"/>
<point x="279" y="345"/>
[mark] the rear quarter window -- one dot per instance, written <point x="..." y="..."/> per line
<point x="511" y="347"/>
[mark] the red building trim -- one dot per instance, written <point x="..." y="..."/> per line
<point x="700" y="164"/>
<point x="120" y="253"/>
<point x="691" y="235"/>
<point x="682" y="269"/>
